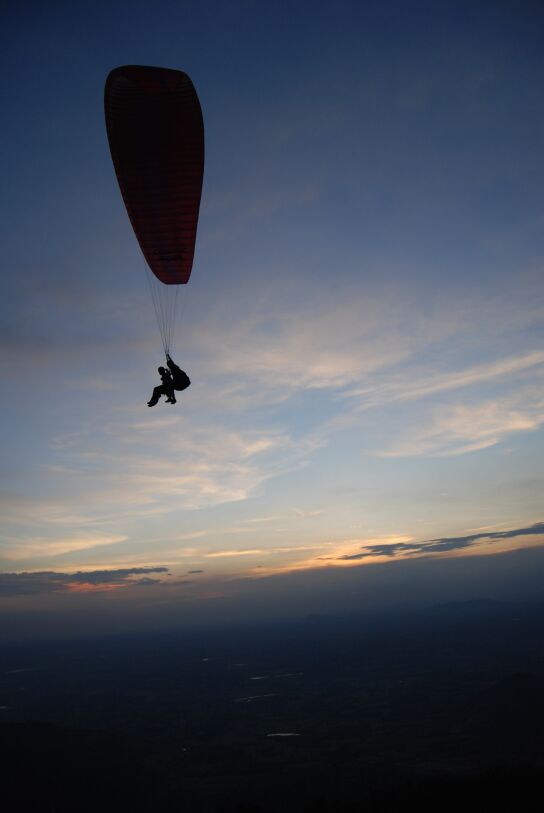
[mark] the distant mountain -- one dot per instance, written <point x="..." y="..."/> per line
<point x="469" y="607"/>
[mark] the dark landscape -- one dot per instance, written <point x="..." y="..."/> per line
<point x="442" y="708"/>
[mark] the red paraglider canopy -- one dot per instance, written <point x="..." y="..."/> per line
<point x="156" y="137"/>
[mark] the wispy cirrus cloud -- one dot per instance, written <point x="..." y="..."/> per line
<point x="371" y="353"/>
<point x="220" y="554"/>
<point x="455" y="429"/>
<point x="21" y="549"/>
<point x="112" y="472"/>
<point x="269" y="355"/>
<point x="414" y="386"/>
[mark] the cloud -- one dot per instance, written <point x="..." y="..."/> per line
<point x="381" y="550"/>
<point x="367" y="352"/>
<point x="244" y="552"/>
<point x="416" y="386"/>
<point x="455" y="429"/>
<point x="38" y="547"/>
<point x="451" y="543"/>
<point x="112" y="474"/>
<point x="146" y="581"/>
<point x="258" y="520"/>
<point x="440" y="545"/>
<point x="17" y="584"/>
<point x="307" y="341"/>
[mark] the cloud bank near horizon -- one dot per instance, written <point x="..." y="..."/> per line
<point x="25" y="584"/>
<point x="442" y="545"/>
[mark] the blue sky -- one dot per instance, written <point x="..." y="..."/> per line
<point x="363" y="327"/>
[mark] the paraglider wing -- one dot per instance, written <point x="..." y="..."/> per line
<point x="156" y="137"/>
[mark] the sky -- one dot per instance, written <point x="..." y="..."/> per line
<point x="363" y="327"/>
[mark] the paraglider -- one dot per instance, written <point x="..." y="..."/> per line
<point x="172" y="380"/>
<point x="156" y="138"/>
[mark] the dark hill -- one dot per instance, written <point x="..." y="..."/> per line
<point x="508" y="713"/>
<point x="47" y="767"/>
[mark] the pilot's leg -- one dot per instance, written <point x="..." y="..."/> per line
<point x="157" y="392"/>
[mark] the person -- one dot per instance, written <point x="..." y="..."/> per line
<point x="180" y="379"/>
<point x="165" y="388"/>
